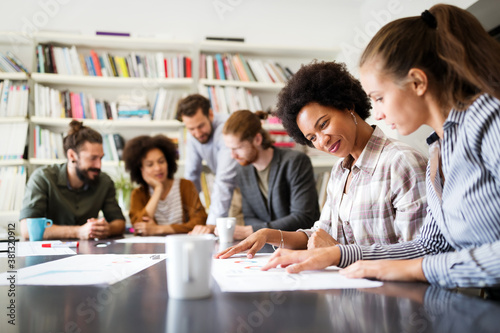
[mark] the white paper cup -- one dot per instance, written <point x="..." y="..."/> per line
<point x="225" y="229"/>
<point x="189" y="266"/>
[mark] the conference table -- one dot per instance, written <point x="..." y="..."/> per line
<point x="140" y="303"/>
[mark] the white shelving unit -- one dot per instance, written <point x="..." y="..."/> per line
<point x="291" y="57"/>
<point x="109" y="88"/>
<point x="21" y="46"/>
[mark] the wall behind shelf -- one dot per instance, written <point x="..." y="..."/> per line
<point x="317" y="23"/>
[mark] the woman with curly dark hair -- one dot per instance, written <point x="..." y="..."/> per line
<point x="376" y="192"/>
<point x="161" y="205"/>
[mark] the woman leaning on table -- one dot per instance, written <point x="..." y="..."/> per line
<point x="161" y="205"/>
<point x="441" y="69"/>
<point x="376" y="192"/>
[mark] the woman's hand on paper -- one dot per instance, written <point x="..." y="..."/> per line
<point x="298" y="261"/>
<point x="252" y="243"/>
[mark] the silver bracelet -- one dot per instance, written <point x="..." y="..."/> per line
<point x="282" y="243"/>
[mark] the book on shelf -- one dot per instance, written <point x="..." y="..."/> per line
<point x="133" y="107"/>
<point x="227" y="100"/>
<point x="69" y="61"/>
<point x="49" y="145"/>
<point x="12" y="184"/>
<point x="10" y="63"/>
<point x="281" y="138"/>
<point x="53" y="103"/>
<point x="13" y="99"/>
<point x="240" y="68"/>
<point x="13" y="140"/>
<point x="165" y="104"/>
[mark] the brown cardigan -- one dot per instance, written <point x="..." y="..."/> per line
<point x="192" y="209"/>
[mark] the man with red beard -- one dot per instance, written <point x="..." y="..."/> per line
<point x="277" y="185"/>
<point x="72" y="194"/>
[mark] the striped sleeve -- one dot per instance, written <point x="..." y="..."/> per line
<point x="431" y="241"/>
<point x="474" y="267"/>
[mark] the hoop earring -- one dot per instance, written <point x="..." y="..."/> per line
<point x="354" y="117"/>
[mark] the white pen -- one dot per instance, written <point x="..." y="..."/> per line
<point x="61" y="244"/>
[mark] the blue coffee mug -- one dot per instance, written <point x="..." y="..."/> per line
<point x="36" y="227"/>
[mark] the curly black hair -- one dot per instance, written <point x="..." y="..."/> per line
<point x="137" y="148"/>
<point x="326" y="83"/>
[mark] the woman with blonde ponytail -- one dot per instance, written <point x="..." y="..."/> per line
<point x="439" y="69"/>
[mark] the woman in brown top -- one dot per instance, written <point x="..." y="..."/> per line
<point x="161" y="205"/>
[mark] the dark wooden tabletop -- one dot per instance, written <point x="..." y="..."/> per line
<point x="140" y="303"/>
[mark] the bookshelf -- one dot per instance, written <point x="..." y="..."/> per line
<point x="107" y="88"/>
<point x="287" y="57"/>
<point x="16" y="55"/>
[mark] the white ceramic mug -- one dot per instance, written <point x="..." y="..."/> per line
<point x="225" y="229"/>
<point x="189" y="266"/>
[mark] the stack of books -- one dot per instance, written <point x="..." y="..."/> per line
<point x="226" y="100"/>
<point x="133" y="107"/>
<point x="237" y="68"/>
<point x="13" y="99"/>
<point x="68" y="61"/>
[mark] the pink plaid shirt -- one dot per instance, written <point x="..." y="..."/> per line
<point x="386" y="196"/>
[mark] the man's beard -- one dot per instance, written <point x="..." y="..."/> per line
<point x="209" y="136"/>
<point x="83" y="175"/>
<point x="251" y="159"/>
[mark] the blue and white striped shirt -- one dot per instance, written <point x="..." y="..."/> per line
<point x="460" y="238"/>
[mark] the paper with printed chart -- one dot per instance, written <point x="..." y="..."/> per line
<point x="84" y="269"/>
<point x="25" y="249"/>
<point x="240" y="274"/>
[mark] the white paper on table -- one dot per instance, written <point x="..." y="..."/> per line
<point x="241" y="274"/>
<point x="84" y="269"/>
<point x="139" y="239"/>
<point x="24" y="249"/>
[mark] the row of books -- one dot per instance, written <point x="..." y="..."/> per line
<point x="237" y="68"/>
<point x="9" y="63"/>
<point x="166" y="104"/>
<point x="12" y="184"/>
<point x="53" y="103"/>
<point x="13" y="140"/>
<point x="13" y="99"/>
<point x="68" y="61"/>
<point x="230" y="99"/>
<point x="49" y="145"/>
